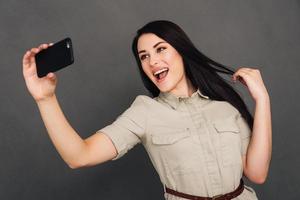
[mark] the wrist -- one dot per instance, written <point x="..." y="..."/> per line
<point x="46" y="100"/>
<point x="263" y="101"/>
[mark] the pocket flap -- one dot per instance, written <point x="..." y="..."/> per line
<point x="226" y="125"/>
<point x="168" y="138"/>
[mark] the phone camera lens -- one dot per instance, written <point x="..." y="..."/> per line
<point x="68" y="45"/>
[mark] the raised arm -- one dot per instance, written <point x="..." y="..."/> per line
<point x="75" y="151"/>
<point x="257" y="160"/>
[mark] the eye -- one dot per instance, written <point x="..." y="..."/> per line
<point x="143" y="56"/>
<point x="159" y="49"/>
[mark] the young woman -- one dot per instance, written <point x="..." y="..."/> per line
<point x="196" y="129"/>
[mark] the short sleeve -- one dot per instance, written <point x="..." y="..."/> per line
<point x="245" y="133"/>
<point x="128" y="128"/>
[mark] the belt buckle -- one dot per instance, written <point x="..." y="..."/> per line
<point x="216" y="197"/>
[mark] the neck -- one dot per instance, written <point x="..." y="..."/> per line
<point x="184" y="90"/>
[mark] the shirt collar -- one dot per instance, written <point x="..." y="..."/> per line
<point x="174" y="100"/>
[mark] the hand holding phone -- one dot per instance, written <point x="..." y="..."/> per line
<point x="55" y="57"/>
<point x="41" y="82"/>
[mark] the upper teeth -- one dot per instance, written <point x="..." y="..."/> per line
<point x="160" y="71"/>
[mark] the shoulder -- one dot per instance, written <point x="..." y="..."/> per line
<point x="138" y="106"/>
<point x="144" y="97"/>
<point x="142" y="100"/>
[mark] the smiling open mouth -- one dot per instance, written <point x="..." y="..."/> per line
<point x="161" y="74"/>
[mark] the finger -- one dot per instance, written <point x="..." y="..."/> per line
<point x="242" y="76"/>
<point x="234" y="76"/>
<point x="250" y="70"/>
<point x="51" y="76"/>
<point x="236" y="73"/>
<point x="27" y="54"/>
<point x="243" y="69"/>
<point x="26" y="58"/>
<point x="241" y="72"/>
<point x="242" y="81"/>
<point x="34" y="50"/>
<point x="239" y="77"/>
<point x="32" y="56"/>
<point x="43" y="46"/>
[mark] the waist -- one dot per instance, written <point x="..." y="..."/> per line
<point x="226" y="196"/>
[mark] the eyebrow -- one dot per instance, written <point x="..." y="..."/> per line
<point x="153" y="47"/>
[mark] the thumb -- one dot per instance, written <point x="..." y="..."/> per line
<point x="51" y="76"/>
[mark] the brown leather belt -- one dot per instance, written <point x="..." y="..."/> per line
<point x="226" y="196"/>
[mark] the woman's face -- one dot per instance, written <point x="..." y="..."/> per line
<point x="156" y="55"/>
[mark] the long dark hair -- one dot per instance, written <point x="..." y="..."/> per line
<point x="201" y="70"/>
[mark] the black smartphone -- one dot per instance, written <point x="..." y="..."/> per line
<point x="55" y="57"/>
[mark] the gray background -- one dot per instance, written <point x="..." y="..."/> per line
<point x="104" y="81"/>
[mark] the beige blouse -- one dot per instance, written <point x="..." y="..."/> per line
<point x="195" y="143"/>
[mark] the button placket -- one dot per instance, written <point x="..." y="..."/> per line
<point x="203" y="138"/>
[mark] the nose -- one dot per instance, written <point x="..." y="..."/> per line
<point x="153" y="60"/>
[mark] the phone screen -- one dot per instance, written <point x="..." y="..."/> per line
<point x="55" y="57"/>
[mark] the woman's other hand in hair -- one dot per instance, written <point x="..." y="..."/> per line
<point x="252" y="79"/>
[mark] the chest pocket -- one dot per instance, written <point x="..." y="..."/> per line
<point x="169" y="138"/>
<point x="230" y="143"/>
<point x="176" y="150"/>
